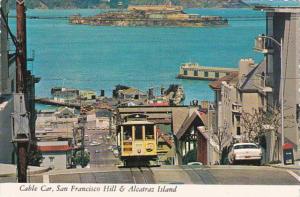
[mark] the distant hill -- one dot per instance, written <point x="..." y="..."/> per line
<point x="68" y="4"/>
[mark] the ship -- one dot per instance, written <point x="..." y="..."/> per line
<point x="150" y="16"/>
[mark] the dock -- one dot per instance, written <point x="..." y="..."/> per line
<point x="195" y="71"/>
<point x="47" y="101"/>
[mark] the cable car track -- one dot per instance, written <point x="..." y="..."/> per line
<point x="139" y="176"/>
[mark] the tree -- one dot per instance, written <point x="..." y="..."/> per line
<point x="259" y="122"/>
<point x="83" y="161"/>
<point x="254" y="124"/>
<point x="222" y="137"/>
<point x="35" y="156"/>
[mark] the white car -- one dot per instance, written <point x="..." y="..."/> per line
<point x="246" y="152"/>
<point x="94" y="143"/>
<point x="195" y="164"/>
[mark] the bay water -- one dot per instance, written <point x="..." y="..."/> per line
<point x="98" y="57"/>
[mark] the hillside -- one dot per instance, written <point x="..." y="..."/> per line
<point x="67" y="4"/>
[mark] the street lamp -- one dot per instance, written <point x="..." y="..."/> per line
<point x="282" y="86"/>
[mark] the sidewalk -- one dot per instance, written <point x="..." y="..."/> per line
<point x="8" y="170"/>
<point x="288" y="167"/>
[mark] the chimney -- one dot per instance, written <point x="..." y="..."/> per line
<point x="245" y="65"/>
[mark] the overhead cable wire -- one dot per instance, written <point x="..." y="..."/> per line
<point x="230" y="18"/>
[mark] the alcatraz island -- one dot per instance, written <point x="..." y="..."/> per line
<point x="150" y="15"/>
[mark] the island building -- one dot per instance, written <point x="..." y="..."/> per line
<point x="280" y="45"/>
<point x="150" y="15"/>
<point x="195" y="71"/>
<point x="156" y="8"/>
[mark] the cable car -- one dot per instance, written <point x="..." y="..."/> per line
<point x="137" y="140"/>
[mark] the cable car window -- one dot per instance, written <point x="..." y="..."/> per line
<point x="127" y="132"/>
<point x="149" y="133"/>
<point x="138" y="132"/>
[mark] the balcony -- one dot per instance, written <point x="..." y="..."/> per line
<point x="236" y="108"/>
<point x="262" y="83"/>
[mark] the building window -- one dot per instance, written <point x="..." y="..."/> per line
<point x="262" y="101"/>
<point x="238" y="119"/>
<point x="205" y="74"/>
<point x="195" y="72"/>
<point x="298" y="113"/>
<point x="185" y="72"/>
<point x="238" y="130"/>
<point x="12" y="86"/>
<point x="217" y="75"/>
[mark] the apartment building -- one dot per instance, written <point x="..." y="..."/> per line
<point x="237" y="93"/>
<point x="281" y="47"/>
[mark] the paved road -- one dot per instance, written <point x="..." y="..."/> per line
<point x="100" y="154"/>
<point x="235" y="175"/>
<point x="104" y="170"/>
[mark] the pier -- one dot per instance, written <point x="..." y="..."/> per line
<point x="195" y="71"/>
<point x="47" y="101"/>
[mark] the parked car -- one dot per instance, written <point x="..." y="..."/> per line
<point x="245" y="152"/>
<point x="94" y="143"/>
<point x="195" y="163"/>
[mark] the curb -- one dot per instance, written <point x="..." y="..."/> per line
<point x="8" y="175"/>
<point x="286" y="167"/>
<point x="30" y="172"/>
<point x="38" y="171"/>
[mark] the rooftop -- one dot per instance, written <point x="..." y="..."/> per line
<point x="60" y="148"/>
<point x="217" y="84"/>
<point x="131" y="91"/>
<point x="250" y="81"/>
<point x="283" y="9"/>
<point x="197" y="66"/>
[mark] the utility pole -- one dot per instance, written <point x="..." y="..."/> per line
<point x="21" y="59"/>
<point x="21" y="75"/>
<point x="82" y="122"/>
<point x="110" y="123"/>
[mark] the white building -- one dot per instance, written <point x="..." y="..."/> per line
<point x="7" y="88"/>
<point x="56" y="154"/>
